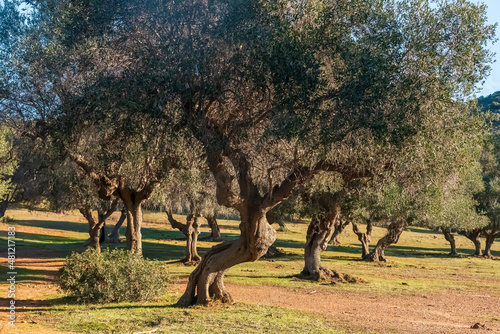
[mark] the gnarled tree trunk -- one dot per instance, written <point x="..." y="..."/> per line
<point x="319" y="233"/>
<point x="364" y="237"/>
<point x="490" y="239"/>
<point x="206" y="281"/>
<point x="96" y="230"/>
<point x="191" y="229"/>
<point x="134" y="223"/>
<point x="214" y="228"/>
<point x="114" y="236"/>
<point x="392" y="237"/>
<point x="450" y="238"/>
<point x="473" y="235"/>
<point x="339" y="227"/>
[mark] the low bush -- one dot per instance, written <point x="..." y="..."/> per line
<point x="112" y="276"/>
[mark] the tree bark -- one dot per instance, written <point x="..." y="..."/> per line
<point x="109" y="185"/>
<point x="93" y="228"/>
<point x="214" y="227"/>
<point x="319" y="233"/>
<point x="3" y="207"/>
<point x="114" y="237"/>
<point x="96" y="230"/>
<point x="364" y="237"/>
<point x="339" y="227"/>
<point x="134" y="224"/>
<point x="191" y="230"/>
<point x="450" y="238"/>
<point x="473" y="235"/>
<point x="392" y="237"/>
<point x="206" y="282"/>
<point x="490" y="239"/>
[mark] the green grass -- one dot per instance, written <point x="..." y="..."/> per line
<point x="166" y="318"/>
<point x="419" y="260"/>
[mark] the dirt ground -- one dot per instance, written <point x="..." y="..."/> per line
<point x="437" y="313"/>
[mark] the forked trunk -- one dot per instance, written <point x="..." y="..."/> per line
<point x="214" y="227"/>
<point x="490" y="239"/>
<point x="3" y="207"/>
<point x="338" y="228"/>
<point x="450" y="238"/>
<point x="206" y="282"/>
<point x="473" y="235"/>
<point x="318" y="234"/>
<point x="94" y="228"/>
<point x="191" y="229"/>
<point x="392" y="237"/>
<point x="364" y="237"/>
<point x="97" y="230"/>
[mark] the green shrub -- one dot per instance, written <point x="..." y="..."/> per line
<point x="115" y="275"/>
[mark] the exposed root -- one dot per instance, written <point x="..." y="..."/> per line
<point x="329" y="276"/>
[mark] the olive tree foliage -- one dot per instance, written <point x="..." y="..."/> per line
<point x="275" y="92"/>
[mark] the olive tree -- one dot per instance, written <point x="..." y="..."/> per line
<point x="274" y="92"/>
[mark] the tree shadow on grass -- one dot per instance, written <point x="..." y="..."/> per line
<point x="54" y="225"/>
<point x="24" y="275"/>
<point x="423" y="252"/>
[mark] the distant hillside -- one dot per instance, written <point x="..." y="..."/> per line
<point x="490" y="102"/>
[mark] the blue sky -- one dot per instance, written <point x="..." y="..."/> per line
<point x="492" y="83"/>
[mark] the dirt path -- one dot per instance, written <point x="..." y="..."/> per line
<point x="438" y="313"/>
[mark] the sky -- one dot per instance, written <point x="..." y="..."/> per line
<point x="492" y="83"/>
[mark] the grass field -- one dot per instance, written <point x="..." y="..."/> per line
<point x="418" y="266"/>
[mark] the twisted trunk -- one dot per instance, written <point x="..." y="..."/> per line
<point x="450" y="238"/>
<point x="364" y="237"/>
<point x="319" y="233"/>
<point x="490" y="239"/>
<point x="338" y="228"/>
<point x="392" y="237"/>
<point x="214" y="227"/>
<point x="191" y="230"/>
<point x="114" y="236"/>
<point x="206" y="282"/>
<point x="473" y="235"/>
<point x="96" y="229"/>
